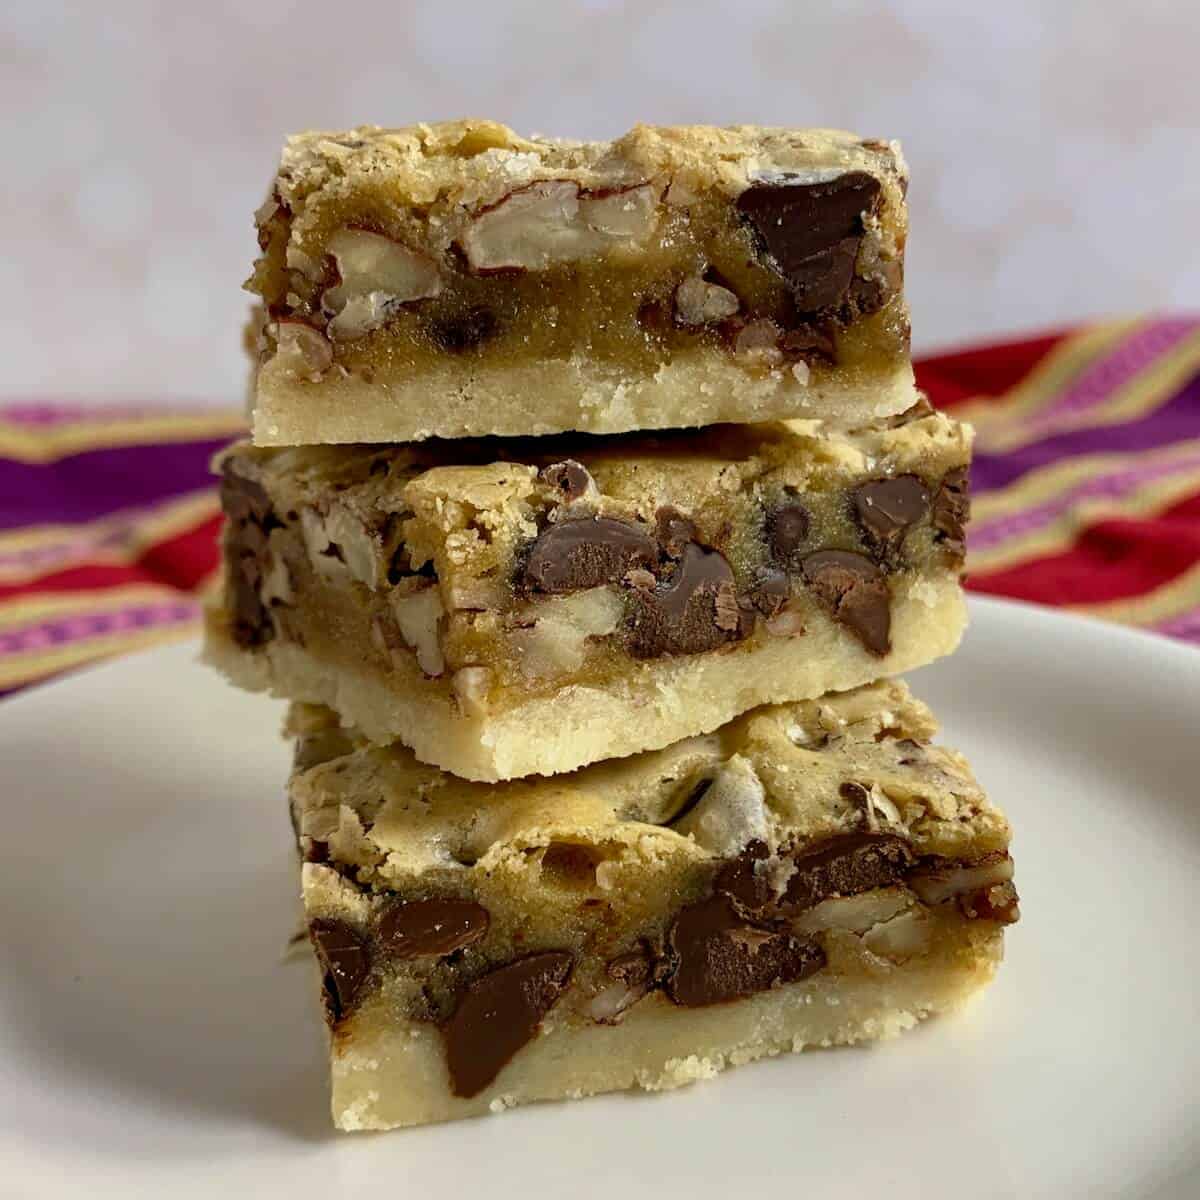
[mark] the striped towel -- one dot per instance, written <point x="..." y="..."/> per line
<point x="1086" y="490"/>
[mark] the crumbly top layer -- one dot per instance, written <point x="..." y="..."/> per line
<point x="782" y="774"/>
<point x="448" y="481"/>
<point x="475" y="162"/>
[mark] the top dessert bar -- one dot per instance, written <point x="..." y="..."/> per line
<point x="458" y="280"/>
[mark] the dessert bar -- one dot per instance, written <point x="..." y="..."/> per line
<point x="528" y="607"/>
<point x="458" y="279"/>
<point x="809" y="875"/>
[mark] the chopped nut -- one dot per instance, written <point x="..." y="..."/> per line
<point x="881" y="802"/>
<point x="556" y="642"/>
<point x="571" y="480"/>
<point x="276" y="585"/>
<point x="759" y="340"/>
<point x="901" y="937"/>
<point x="323" y="553"/>
<point x="471" y="686"/>
<point x="629" y="213"/>
<point x="731" y="813"/>
<point x="787" y="622"/>
<point x="641" y="579"/>
<point x="478" y="594"/>
<point x="680" y="193"/>
<point x="551" y="222"/>
<point x="419" y="616"/>
<point x="360" y="551"/>
<point x="698" y="302"/>
<point x="303" y="263"/>
<point x="302" y="350"/>
<point x="857" y="914"/>
<point x="377" y="276"/>
<point x="939" y="884"/>
<point x="609" y="1005"/>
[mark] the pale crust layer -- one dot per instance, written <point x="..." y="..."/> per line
<point x="659" y="702"/>
<point x="698" y="387"/>
<point x="389" y="1075"/>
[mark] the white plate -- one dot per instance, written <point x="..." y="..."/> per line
<point x="153" y="1042"/>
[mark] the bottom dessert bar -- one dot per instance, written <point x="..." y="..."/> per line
<point x="811" y="874"/>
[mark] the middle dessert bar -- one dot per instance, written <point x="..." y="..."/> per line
<point x="528" y="607"/>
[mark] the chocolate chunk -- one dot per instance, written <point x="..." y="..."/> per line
<point x="657" y="317"/>
<point x="952" y="509"/>
<point x="770" y="592"/>
<point x="244" y="499"/>
<point x="431" y="928"/>
<point x="742" y="881"/>
<point x="344" y="963"/>
<point x="634" y="969"/>
<point x="251" y="518"/>
<point x="464" y="331"/>
<point x="251" y="624"/>
<point x="855" y="592"/>
<point x="787" y="529"/>
<point x="585" y="553"/>
<point x="317" y="852"/>
<point x="498" y="1014"/>
<point x="673" y="530"/>
<point x="570" y="477"/>
<point x="720" y="956"/>
<point x="695" y="610"/>
<point x="633" y="975"/>
<point x="855" y="793"/>
<point x="865" y="296"/>
<point x="809" y="233"/>
<point x="844" y="866"/>
<point x="887" y="508"/>
<point x="811" y="342"/>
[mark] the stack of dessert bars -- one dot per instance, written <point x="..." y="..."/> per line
<point x="590" y="514"/>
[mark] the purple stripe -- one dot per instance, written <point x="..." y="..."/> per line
<point x="1097" y="382"/>
<point x="1176" y="421"/>
<point x="45" y="415"/>
<point x="78" y="546"/>
<point x="54" y="633"/>
<point x="1113" y="486"/>
<point x="81" y="543"/>
<point x="98" y="482"/>
<point x="1186" y="626"/>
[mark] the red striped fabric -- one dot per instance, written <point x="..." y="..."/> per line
<point x="1086" y="495"/>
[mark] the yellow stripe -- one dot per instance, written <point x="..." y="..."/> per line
<point x="140" y="532"/>
<point x="1048" y="378"/>
<point x="26" y="610"/>
<point x="1145" y="391"/>
<point x="1055" y="481"/>
<point x="1167" y="601"/>
<point x="1038" y="486"/>
<point x="28" y="668"/>
<point x="44" y="444"/>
